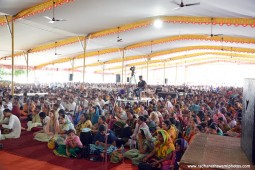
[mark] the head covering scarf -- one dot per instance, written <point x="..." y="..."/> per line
<point x="68" y="124"/>
<point x="182" y="143"/>
<point x="163" y="149"/>
<point x="147" y="134"/>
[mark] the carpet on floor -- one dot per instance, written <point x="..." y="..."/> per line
<point x="27" y="148"/>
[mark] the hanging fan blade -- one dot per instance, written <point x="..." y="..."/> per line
<point x="174" y="2"/>
<point x="57" y="54"/>
<point x="47" y="17"/>
<point x="216" y="35"/>
<point x="60" y="20"/>
<point x="119" y="40"/>
<point x="181" y="5"/>
<point x="198" y="3"/>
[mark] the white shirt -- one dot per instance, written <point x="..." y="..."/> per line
<point x="45" y="121"/>
<point x="169" y="105"/>
<point x="1" y="113"/>
<point x="14" y="124"/>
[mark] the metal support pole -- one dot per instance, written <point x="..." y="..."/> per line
<point x="147" y="66"/>
<point x="73" y="69"/>
<point x="164" y="82"/>
<point x="27" y="66"/>
<point x="103" y="71"/>
<point x="12" y="34"/>
<point x="84" y="58"/>
<point x="122" y="71"/>
<point x="186" y="72"/>
<point x="176" y="74"/>
<point x="125" y="73"/>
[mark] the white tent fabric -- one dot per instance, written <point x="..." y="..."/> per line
<point x="90" y="16"/>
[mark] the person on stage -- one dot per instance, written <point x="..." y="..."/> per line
<point x="141" y="87"/>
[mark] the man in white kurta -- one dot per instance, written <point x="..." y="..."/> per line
<point x="13" y="124"/>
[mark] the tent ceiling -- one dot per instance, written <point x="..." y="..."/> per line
<point x="101" y="18"/>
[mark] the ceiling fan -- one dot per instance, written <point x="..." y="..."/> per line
<point x="53" y="19"/>
<point x="213" y="35"/>
<point x="118" y="38"/>
<point x="181" y="5"/>
<point x="56" y="54"/>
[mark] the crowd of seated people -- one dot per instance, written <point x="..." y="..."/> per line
<point x="82" y="118"/>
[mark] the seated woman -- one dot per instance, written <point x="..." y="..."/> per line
<point x="28" y="107"/>
<point x="99" y="142"/>
<point x="145" y="146"/>
<point x="50" y="127"/>
<point x="174" y="157"/>
<point x="83" y="123"/>
<point x="78" y="114"/>
<point x="64" y="125"/>
<point x="214" y="129"/>
<point x="162" y="147"/>
<point x="72" y="147"/>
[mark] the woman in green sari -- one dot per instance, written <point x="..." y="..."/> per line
<point x="145" y="146"/>
<point x="64" y="125"/>
<point x="162" y="147"/>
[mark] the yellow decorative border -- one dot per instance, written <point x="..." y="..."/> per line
<point x="88" y="54"/>
<point x="176" y="50"/>
<point x="235" y="56"/>
<point x="35" y="10"/>
<point x="165" y="40"/>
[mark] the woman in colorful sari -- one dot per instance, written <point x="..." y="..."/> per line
<point x="145" y="146"/>
<point x="72" y="147"/>
<point x="166" y="125"/>
<point x="162" y="147"/>
<point x="190" y="130"/>
<point x="83" y="123"/>
<point x="174" y="157"/>
<point x="64" y="125"/>
<point x="50" y="127"/>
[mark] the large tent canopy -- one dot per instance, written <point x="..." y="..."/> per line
<point x="117" y="33"/>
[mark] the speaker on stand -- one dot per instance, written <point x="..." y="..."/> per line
<point x="70" y="77"/>
<point x="127" y="79"/>
<point x="117" y="78"/>
<point x="166" y="80"/>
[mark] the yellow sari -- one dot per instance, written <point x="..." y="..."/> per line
<point x="163" y="149"/>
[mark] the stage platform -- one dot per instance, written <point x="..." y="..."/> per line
<point x="215" y="152"/>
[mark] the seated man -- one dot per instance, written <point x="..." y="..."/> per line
<point x="13" y="125"/>
<point x="141" y="87"/>
<point x="99" y="142"/>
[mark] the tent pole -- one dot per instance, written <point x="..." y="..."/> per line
<point x="27" y="66"/>
<point x="176" y="73"/>
<point x="125" y="73"/>
<point x="164" y="82"/>
<point x="147" y="70"/>
<point x="12" y="34"/>
<point x="122" y="74"/>
<point x="103" y="71"/>
<point x="84" y="58"/>
<point x="73" y="69"/>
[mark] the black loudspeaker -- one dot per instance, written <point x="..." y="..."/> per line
<point x="248" y="119"/>
<point x="117" y="78"/>
<point x="127" y="79"/>
<point x="165" y="94"/>
<point x="70" y="77"/>
<point x="166" y="80"/>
